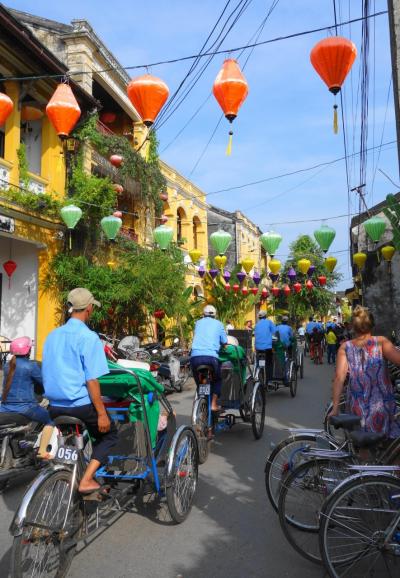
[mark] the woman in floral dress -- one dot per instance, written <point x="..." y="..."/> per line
<point x="370" y="392"/>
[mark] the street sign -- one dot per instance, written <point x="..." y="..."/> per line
<point x="7" y="224"/>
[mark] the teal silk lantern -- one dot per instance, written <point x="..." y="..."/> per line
<point x="163" y="236"/>
<point x="71" y="215"/>
<point x="271" y="241"/>
<point x="111" y="226"/>
<point x="221" y="240"/>
<point x="324" y="237"/>
<point x="375" y="228"/>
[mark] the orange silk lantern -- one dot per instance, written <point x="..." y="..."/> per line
<point x="116" y="160"/>
<point x="333" y="58"/>
<point x="108" y="117"/>
<point x="148" y="95"/>
<point x="230" y="90"/>
<point x="6" y="107"/>
<point x="63" y="110"/>
<point x="31" y="113"/>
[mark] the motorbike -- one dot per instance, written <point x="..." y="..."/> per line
<point x="126" y="348"/>
<point x="172" y="367"/>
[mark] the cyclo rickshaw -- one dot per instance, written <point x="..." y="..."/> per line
<point x="53" y="517"/>
<point x="285" y="365"/>
<point x="239" y="393"/>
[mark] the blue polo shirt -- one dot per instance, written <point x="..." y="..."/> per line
<point x="263" y="333"/>
<point x="209" y="335"/>
<point x="72" y="355"/>
<point x="310" y="327"/>
<point x="285" y="334"/>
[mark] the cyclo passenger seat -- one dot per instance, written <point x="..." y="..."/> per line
<point x="346" y="421"/>
<point x="10" y="418"/>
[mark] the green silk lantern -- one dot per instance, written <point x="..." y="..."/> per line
<point x="324" y="237"/>
<point x="271" y="241"/>
<point x="163" y="236"/>
<point x="375" y="228"/>
<point x="221" y="240"/>
<point x="71" y="215"/>
<point x="111" y="226"/>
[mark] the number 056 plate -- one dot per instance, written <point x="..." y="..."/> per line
<point x="204" y="389"/>
<point x="66" y="455"/>
<point x="261" y="363"/>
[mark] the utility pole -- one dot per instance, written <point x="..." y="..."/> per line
<point x="394" y="27"/>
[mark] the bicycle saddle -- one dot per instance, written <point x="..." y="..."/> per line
<point x="345" y="420"/>
<point x="204" y="368"/>
<point x="12" y="418"/>
<point x="362" y="439"/>
<point x="68" y="420"/>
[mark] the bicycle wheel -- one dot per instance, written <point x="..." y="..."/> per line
<point x="182" y="476"/>
<point x="301" y="366"/>
<point x="184" y="375"/>
<point x="200" y="425"/>
<point x="300" y="501"/>
<point x="45" y="548"/>
<point x="293" y="379"/>
<point x="257" y="411"/>
<point x="360" y="528"/>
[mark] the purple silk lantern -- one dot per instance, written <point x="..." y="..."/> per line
<point x="274" y="278"/>
<point x="226" y="276"/>
<point x="311" y="271"/>
<point x="241" y="276"/>
<point x="201" y="271"/>
<point x="256" y="278"/>
<point x="291" y="274"/>
<point x="213" y="273"/>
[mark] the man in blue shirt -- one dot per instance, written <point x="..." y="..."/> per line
<point x="285" y="332"/>
<point x="263" y="333"/>
<point x="73" y="360"/>
<point x="209" y="335"/>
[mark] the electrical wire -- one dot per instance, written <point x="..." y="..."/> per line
<point x="194" y="56"/>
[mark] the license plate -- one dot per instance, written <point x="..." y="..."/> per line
<point x="261" y="363"/>
<point x="204" y="389"/>
<point x="67" y="455"/>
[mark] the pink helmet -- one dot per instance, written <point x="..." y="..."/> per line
<point x="21" y="346"/>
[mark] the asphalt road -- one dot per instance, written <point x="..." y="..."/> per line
<point x="231" y="531"/>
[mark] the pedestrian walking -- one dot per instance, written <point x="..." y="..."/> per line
<point x="331" y="341"/>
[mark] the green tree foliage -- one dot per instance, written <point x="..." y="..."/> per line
<point x="318" y="301"/>
<point x="142" y="282"/>
<point x="392" y="212"/>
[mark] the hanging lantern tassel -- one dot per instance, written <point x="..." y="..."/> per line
<point x="228" y="151"/>
<point x="335" y="119"/>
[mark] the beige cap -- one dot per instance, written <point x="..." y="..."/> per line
<point x="80" y="298"/>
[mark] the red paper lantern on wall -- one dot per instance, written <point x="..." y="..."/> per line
<point x="148" y="95"/>
<point x="227" y="287"/>
<point x="264" y="293"/>
<point x="116" y="160"/>
<point x="9" y="267"/>
<point x="63" y="110"/>
<point x="254" y="290"/>
<point x="309" y="285"/>
<point x="159" y="314"/>
<point x="236" y="288"/>
<point x="108" y="117"/>
<point x="297" y="287"/>
<point x="6" y="107"/>
<point x="245" y="291"/>
<point x="322" y="280"/>
<point x="275" y="291"/>
<point x="286" y="290"/>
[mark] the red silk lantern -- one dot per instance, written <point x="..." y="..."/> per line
<point x="148" y="95"/>
<point x="254" y="290"/>
<point x="275" y="291"/>
<point x="286" y="290"/>
<point x="245" y="291"/>
<point x="63" y="110"/>
<point x="159" y="314"/>
<point x="116" y="160"/>
<point x="230" y="90"/>
<point x="264" y="293"/>
<point x="297" y="287"/>
<point x="309" y="285"/>
<point x="322" y="280"/>
<point x="227" y="287"/>
<point x="6" y="107"/>
<point x="108" y="117"/>
<point x="164" y="197"/>
<point x="117" y="214"/>
<point x="119" y="189"/>
<point x="9" y="267"/>
<point x="236" y="288"/>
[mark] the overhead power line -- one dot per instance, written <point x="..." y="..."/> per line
<point x="204" y="54"/>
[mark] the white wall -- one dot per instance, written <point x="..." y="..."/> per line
<point x="19" y="303"/>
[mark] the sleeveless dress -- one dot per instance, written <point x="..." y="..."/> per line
<point x="370" y="391"/>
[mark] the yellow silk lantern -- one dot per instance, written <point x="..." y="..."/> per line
<point x="359" y="259"/>
<point x="220" y="261"/>
<point x="304" y="265"/>
<point x="330" y="263"/>
<point x="388" y="252"/>
<point x="275" y="266"/>
<point x="195" y="255"/>
<point x="247" y="265"/>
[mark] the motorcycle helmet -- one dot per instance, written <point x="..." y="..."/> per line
<point x="21" y="346"/>
<point x="209" y="311"/>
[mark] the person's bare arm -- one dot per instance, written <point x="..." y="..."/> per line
<point x="340" y="377"/>
<point x="389" y="351"/>
<point x="103" y="420"/>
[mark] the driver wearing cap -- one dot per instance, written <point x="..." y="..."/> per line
<point x="73" y="360"/>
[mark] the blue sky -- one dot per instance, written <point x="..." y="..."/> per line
<point x="285" y="123"/>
